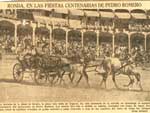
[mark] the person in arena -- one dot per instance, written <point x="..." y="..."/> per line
<point x="25" y="54"/>
<point x="117" y="52"/>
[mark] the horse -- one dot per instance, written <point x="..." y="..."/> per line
<point x="76" y="64"/>
<point x="73" y="66"/>
<point x="114" y="67"/>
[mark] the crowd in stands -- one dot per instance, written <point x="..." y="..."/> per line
<point x="6" y="43"/>
<point x="59" y="46"/>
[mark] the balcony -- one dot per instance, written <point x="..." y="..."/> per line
<point x="42" y="19"/>
<point x="51" y="20"/>
<point x="137" y="28"/>
<point x="75" y="23"/>
<point x="8" y="14"/>
<point x="59" y="22"/>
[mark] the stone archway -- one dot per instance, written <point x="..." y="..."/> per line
<point x="7" y="27"/>
<point x="90" y="37"/>
<point x="59" y="45"/>
<point x="137" y="39"/>
<point x="59" y="34"/>
<point x="121" y="39"/>
<point x="74" y="35"/>
<point x="105" y="37"/>
<point x="42" y="35"/>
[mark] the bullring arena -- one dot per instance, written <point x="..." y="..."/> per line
<point x="76" y="35"/>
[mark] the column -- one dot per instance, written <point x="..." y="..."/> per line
<point x="15" y="13"/>
<point x="145" y="42"/>
<point x="82" y="38"/>
<point x="67" y="42"/>
<point x="33" y="36"/>
<point x="15" y="36"/>
<point x="50" y="40"/>
<point x="129" y="43"/>
<point x="97" y="44"/>
<point x="4" y="11"/>
<point x="113" y="44"/>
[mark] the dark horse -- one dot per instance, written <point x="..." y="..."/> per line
<point x="113" y="66"/>
<point x="76" y="64"/>
<point x="73" y="66"/>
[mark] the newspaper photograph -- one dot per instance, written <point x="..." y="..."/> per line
<point x="68" y="57"/>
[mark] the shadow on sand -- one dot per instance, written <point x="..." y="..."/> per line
<point x="96" y="88"/>
<point x="14" y="82"/>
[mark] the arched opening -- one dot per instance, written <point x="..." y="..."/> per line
<point x="74" y="35"/>
<point x="90" y="38"/>
<point x="121" y="39"/>
<point x="7" y="35"/>
<point x="105" y="38"/>
<point x="121" y="45"/>
<point x="24" y="34"/>
<point x="24" y="30"/>
<point x="59" y="41"/>
<point x="148" y="42"/>
<point x="42" y="35"/>
<point x="105" y="42"/>
<point x="74" y="38"/>
<point x="7" y="28"/>
<point x="137" y="40"/>
<point x="59" y="34"/>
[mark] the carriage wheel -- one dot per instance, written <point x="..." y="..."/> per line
<point x="122" y="81"/>
<point x="40" y="78"/>
<point x="18" y="72"/>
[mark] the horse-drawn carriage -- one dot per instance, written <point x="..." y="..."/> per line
<point x="40" y="67"/>
<point x="51" y="69"/>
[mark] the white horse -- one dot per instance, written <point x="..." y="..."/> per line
<point x="113" y="66"/>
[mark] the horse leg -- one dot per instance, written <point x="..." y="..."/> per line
<point x="79" y="80"/>
<point x="114" y="81"/>
<point x="130" y="85"/>
<point x="104" y="78"/>
<point x="101" y="83"/>
<point x="86" y="77"/>
<point x="61" y="77"/>
<point x="138" y="78"/>
<point x="130" y="82"/>
<point x="71" y="78"/>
